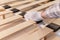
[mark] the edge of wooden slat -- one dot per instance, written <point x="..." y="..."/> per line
<point x="43" y="6"/>
<point x="16" y="28"/>
<point x="10" y="19"/>
<point x="33" y="3"/>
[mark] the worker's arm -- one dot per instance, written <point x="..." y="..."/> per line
<point x="52" y="12"/>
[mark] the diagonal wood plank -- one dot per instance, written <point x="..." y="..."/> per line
<point x="31" y="4"/>
<point x="43" y="6"/>
<point x="10" y="19"/>
<point x="57" y="21"/>
<point x="19" y="3"/>
<point x="56" y="38"/>
<point x="16" y="28"/>
<point x="14" y="4"/>
<point x="6" y="1"/>
<point x="22" y="7"/>
<point x="35" y="34"/>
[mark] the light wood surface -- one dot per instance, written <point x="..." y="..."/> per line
<point x="57" y="21"/>
<point x="14" y="4"/>
<point x="56" y="38"/>
<point x="15" y="21"/>
<point x="6" y="1"/>
<point x="23" y="7"/>
<point x="43" y="6"/>
<point x="31" y="4"/>
<point x="48" y="21"/>
<point x="16" y="28"/>
<point x="10" y="19"/>
<point x="19" y="3"/>
<point x="35" y="34"/>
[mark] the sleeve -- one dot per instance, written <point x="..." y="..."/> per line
<point x="53" y="11"/>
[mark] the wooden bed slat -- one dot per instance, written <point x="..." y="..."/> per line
<point x="10" y="19"/>
<point x="16" y="28"/>
<point x="43" y="6"/>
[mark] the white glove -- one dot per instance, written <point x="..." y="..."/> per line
<point x="33" y="15"/>
<point x="58" y="33"/>
<point x="53" y="11"/>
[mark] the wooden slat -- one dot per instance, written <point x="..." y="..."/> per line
<point x="8" y="15"/>
<point x="28" y="6"/>
<point x="11" y="23"/>
<point x="23" y="7"/>
<point x="10" y="19"/>
<point x="35" y="34"/>
<point x="39" y="7"/>
<point x="6" y="1"/>
<point x="30" y="29"/>
<point x="16" y="28"/>
<point x="19" y="3"/>
<point x="57" y="21"/>
<point x="1" y="8"/>
<point x="5" y="12"/>
<point x="43" y="6"/>
<point x="14" y="4"/>
<point x="31" y="4"/>
<point x="56" y="38"/>
<point x="48" y="21"/>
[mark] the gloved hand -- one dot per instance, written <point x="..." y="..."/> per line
<point x="33" y="15"/>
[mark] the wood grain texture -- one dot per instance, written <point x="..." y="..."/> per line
<point x="10" y="19"/>
<point x="14" y="4"/>
<point x="57" y="21"/>
<point x="23" y="7"/>
<point x="16" y="28"/>
<point x="11" y="23"/>
<point x="35" y="34"/>
<point x="43" y="6"/>
<point x="56" y="38"/>
<point x="19" y="3"/>
<point x="6" y="1"/>
<point x="31" y="4"/>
